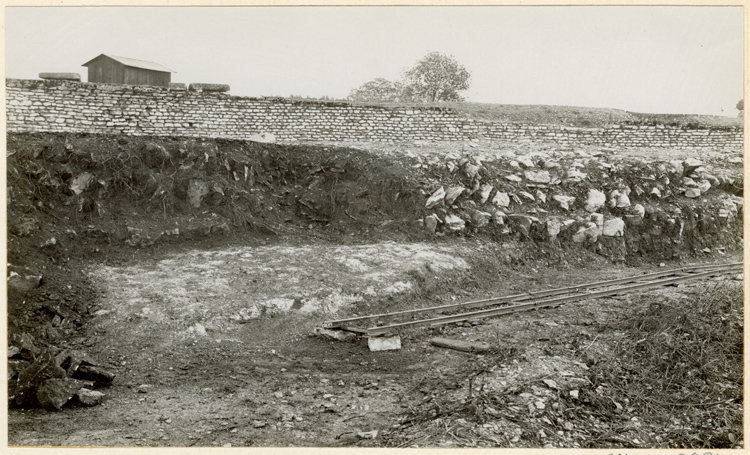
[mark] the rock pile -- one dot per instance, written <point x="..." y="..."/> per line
<point x="617" y="206"/>
<point x="52" y="378"/>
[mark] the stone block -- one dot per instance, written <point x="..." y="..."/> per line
<point x="384" y="343"/>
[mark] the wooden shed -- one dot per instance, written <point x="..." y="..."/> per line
<point x="121" y="70"/>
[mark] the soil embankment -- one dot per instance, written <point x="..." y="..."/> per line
<point x="193" y="270"/>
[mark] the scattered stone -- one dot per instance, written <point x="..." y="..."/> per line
<point x="197" y="189"/>
<point x="384" y="343"/>
<point x="691" y="164"/>
<point x="266" y="138"/>
<point x="633" y="220"/>
<point x="541" y="196"/>
<point x="199" y="329"/>
<point x="527" y="195"/>
<point x="480" y="219"/>
<point x="550" y="383"/>
<point x="100" y="376"/>
<point x="704" y="185"/>
<point x="259" y="424"/>
<point x="452" y="193"/>
<point x="430" y="223"/>
<point x="471" y="170"/>
<point x="588" y="232"/>
<point x="614" y="228"/>
<point x="676" y="167"/>
<point x="49" y="242"/>
<point x="499" y="217"/>
<point x="692" y="193"/>
<point x="86" y="397"/>
<point x="526" y="162"/>
<point x="71" y="360"/>
<point x="80" y="183"/>
<point x="595" y="200"/>
<point x="735" y="160"/>
<point x="501" y="199"/>
<point x="574" y="394"/>
<point x="598" y="219"/>
<point x="513" y="178"/>
<point x="33" y="376"/>
<point x="554" y="225"/>
<point x="484" y="193"/>
<point x="55" y="393"/>
<point x="336" y="335"/>
<point x="367" y="434"/>
<point x="143" y="388"/>
<point x="523" y="223"/>
<point x="538" y="176"/>
<point x="688" y="182"/>
<point x="23" y="283"/>
<point x="564" y="201"/>
<point x="639" y="210"/>
<point x="574" y="175"/>
<point x="454" y="223"/>
<point x="656" y="192"/>
<point x="551" y="164"/>
<point x="436" y="197"/>
<point x="618" y="199"/>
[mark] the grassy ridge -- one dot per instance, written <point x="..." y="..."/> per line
<point x="587" y="117"/>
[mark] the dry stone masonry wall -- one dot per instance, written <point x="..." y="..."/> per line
<point x="66" y="106"/>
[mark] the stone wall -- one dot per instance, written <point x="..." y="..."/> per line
<point x="65" y="106"/>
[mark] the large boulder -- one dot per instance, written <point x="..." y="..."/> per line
<point x="595" y="200"/>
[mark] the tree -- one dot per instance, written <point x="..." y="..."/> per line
<point x="741" y="105"/>
<point x="436" y="77"/>
<point x="379" y="89"/>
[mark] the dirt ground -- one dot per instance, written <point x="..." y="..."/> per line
<point x="215" y="348"/>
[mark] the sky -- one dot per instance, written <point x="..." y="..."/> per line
<point x="678" y="60"/>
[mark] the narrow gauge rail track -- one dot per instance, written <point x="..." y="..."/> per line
<point x="389" y="323"/>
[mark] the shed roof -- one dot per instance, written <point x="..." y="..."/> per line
<point x="134" y="63"/>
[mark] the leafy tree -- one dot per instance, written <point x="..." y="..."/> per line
<point x="437" y="77"/>
<point x="741" y="105"/>
<point x="379" y="89"/>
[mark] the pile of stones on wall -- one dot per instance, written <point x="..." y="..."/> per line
<point x="68" y="106"/>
